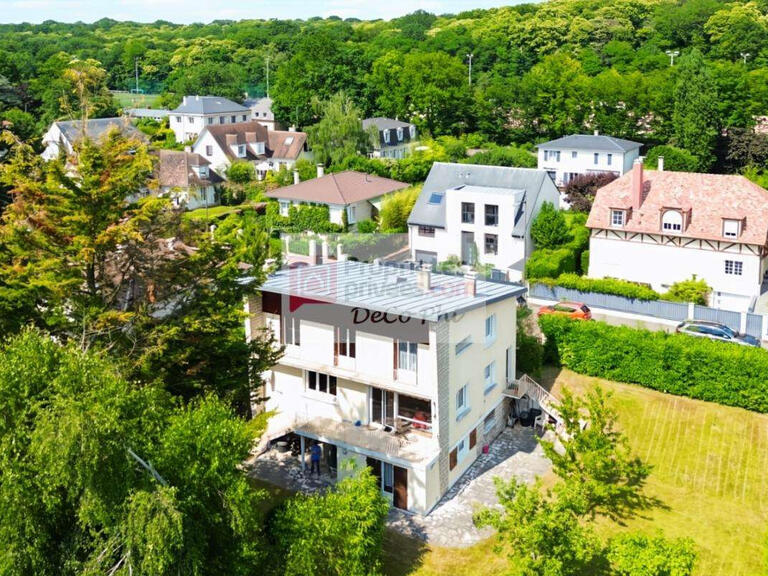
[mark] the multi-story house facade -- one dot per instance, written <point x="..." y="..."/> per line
<point x="658" y="228"/>
<point x="400" y="370"/>
<point x="62" y="135"/>
<point x="480" y="214"/>
<point x="391" y="138"/>
<point x="197" y="112"/>
<point x="577" y="154"/>
<point x="261" y="111"/>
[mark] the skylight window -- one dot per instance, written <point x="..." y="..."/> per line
<point x="289" y="141"/>
<point x="436" y="198"/>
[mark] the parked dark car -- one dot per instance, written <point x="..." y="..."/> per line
<point x="715" y="331"/>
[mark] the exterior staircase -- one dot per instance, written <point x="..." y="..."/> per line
<point x="527" y="386"/>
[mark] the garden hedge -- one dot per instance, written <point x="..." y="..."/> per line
<point x="602" y="286"/>
<point x="550" y="263"/>
<point x="675" y="363"/>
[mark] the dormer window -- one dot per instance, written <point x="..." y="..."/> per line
<point x="672" y="221"/>
<point x="618" y="218"/>
<point x="241" y="151"/>
<point x="412" y="131"/>
<point x="731" y="228"/>
<point x="386" y="136"/>
<point x="399" y="134"/>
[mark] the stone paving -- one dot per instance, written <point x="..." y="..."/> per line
<point x="515" y="453"/>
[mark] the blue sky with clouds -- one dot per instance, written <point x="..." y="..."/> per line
<point x="185" y="11"/>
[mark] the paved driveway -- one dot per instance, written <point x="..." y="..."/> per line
<point x="515" y="453"/>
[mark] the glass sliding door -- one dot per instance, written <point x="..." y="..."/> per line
<point x="382" y="407"/>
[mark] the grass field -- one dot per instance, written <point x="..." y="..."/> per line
<point x="710" y="469"/>
<point x="128" y="100"/>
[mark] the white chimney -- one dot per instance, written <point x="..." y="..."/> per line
<point x="597" y="132"/>
<point x="470" y="283"/>
<point x="320" y="170"/>
<point x="661" y="164"/>
<point x="197" y="97"/>
<point x="424" y="278"/>
<point x="296" y="177"/>
<point x="184" y="101"/>
<point x="291" y="128"/>
<point x="637" y="184"/>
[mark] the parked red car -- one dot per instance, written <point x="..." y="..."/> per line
<point x="576" y="310"/>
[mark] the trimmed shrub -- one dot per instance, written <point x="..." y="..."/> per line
<point x="601" y="286"/>
<point x="675" y="363"/>
<point x="692" y="290"/>
<point x="366" y="226"/>
<point x="550" y="263"/>
<point x="584" y="263"/>
<point x="549" y="228"/>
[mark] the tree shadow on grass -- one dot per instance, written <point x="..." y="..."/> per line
<point x="402" y="555"/>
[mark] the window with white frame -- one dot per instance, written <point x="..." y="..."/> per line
<point x="597" y="158"/>
<point x="222" y="120"/>
<point x="285" y="207"/>
<point x="574" y="154"/>
<point x="399" y="134"/>
<point x="209" y="150"/>
<point x="731" y="228"/>
<point x="463" y="344"/>
<point x="244" y="117"/>
<point x="490" y="329"/>
<point x="345" y="341"/>
<point x="557" y="156"/>
<point x="462" y="400"/>
<point x="491" y="244"/>
<point x="490" y="377"/>
<point x="617" y="218"/>
<point x="734" y="267"/>
<point x="386" y="136"/>
<point x="491" y="215"/>
<point x="427" y="231"/>
<point x="291" y="330"/>
<point x="210" y="120"/>
<point x="412" y="131"/>
<point x="672" y="221"/>
<point x="510" y="368"/>
<point x="467" y="213"/>
<point x="320" y="382"/>
<point x="462" y="449"/>
<point x="241" y="151"/>
<point x="407" y="355"/>
<point x="610" y="159"/>
<point x="351" y="214"/>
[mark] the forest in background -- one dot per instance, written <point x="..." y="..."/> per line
<point x="538" y="70"/>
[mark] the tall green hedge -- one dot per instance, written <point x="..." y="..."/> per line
<point x="676" y="363"/>
<point x="546" y="263"/>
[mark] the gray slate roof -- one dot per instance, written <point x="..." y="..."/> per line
<point x="519" y="183"/>
<point x="259" y="106"/>
<point x="592" y="142"/>
<point x="387" y="289"/>
<point x="384" y="123"/>
<point x="209" y="105"/>
<point x="95" y="128"/>
<point x="147" y="112"/>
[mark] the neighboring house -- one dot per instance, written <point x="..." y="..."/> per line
<point x="359" y="194"/>
<point x="261" y="111"/>
<point x="250" y="141"/>
<point x="393" y="137"/>
<point x="571" y="156"/>
<point x="480" y="214"/>
<point x="186" y="178"/>
<point x="658" y="228"/>
<point x="63" y="135"/>
<point x="198" y="112"/>
<point x="415" y="397"/>
<point x="157" y="114"/>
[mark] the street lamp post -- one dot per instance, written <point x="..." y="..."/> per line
<point x="470" y="56"/>
<point x="672" y="54"/>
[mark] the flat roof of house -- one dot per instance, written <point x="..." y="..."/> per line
<point x="592" y="142"/>
<point x="710" y="199"/>
<point x="383" y="288"/>
<point x="342" y="188"/>
<point x="209" y="105"/>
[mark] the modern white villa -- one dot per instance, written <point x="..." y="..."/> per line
<point x="658" y="227"/>
<point x="196" y="112"/>
<point x="571" y="156"/>
<point x="401" y="370"/>
<point x="480" y="214"/>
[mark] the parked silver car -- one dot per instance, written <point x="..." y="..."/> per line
<point x="715" y="331"/>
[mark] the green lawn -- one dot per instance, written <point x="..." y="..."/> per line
<point x="710" y="465"/>
<point x="127" y="100"/>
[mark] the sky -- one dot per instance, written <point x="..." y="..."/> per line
<point x="186" y="11"/>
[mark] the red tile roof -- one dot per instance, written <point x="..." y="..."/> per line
<point x="710" y="198"/>
<point x="285" y="145"/>
<point x="342" y="188"/>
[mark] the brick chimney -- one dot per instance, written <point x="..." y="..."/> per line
<point x="231" y="139"/>
<point x="470" y="284"/>
<point x="424" y="278"/>
<point x="637" y="184"/>
<point x="250" y="137"/>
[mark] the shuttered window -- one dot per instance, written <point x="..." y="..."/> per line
<point x="453" y="459"/>
<point x="472" y="438"/>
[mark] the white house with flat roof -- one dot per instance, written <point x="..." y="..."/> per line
<point x="577" y="154"/>
<point x="401" y="370"/>
<point x="480" y="214"/>
<point x="197" y="112"/>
